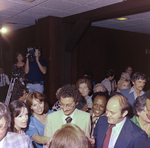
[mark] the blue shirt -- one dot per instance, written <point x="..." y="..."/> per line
<point x="35" y="73"/>
<point x="35" y="127"/>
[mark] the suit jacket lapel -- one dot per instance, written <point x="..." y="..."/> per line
<point x="102" y="132"/>
<point x="125" y="135"/>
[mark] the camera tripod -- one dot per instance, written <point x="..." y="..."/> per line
<point x="10" y="89"/>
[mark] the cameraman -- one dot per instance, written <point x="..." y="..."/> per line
<point x="35" y="71"/>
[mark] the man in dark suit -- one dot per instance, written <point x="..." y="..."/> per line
<point x="138" y="81"/>
<point x="124" y="134"/>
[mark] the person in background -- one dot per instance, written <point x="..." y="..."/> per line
<point x="89" y="75"/>
<point x="99" y="87"/>
<point x="39" y="110"/>
<point x="107" y="81"/>
<point x="140" y="118"/>
<point x="35" y="71"/>
<point x="99" y="100"/>
<point x="129" y="70"/>
<point x="125" y="75"/>
<point x="19" y="93"/>
<point x="11" y="139"/>
<point x="19" y="116"/>
<point x="123" y="84"/>
<point x="68" y="99"/>
<point x="18" y="69"/>
<point x="56" y="106"/>
<point x="84" y="86"/>
<point x="4" y="81"/>
<point x="138" y="81"/>
<point x="69" y="135"/>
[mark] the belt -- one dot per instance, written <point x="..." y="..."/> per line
<point x="33" y="82"/>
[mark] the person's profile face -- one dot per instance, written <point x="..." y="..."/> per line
<point x="99" y="105"/>
<point x="3" y="128"/>
<point x="148" y="108"/>
<point x="143" y="116"/>
<point x="129" y="70"/>
<point x="67" y="104"/>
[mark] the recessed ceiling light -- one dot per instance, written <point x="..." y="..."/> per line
<point x="29" y="0"/>
<point x="122" y="19"/>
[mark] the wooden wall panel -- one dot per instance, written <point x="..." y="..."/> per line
<point x="101" y="49"/>
<point x="48" y="37"/>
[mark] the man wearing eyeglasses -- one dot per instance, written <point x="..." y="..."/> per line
<point x="68" y="98"/>
<point x="10" y="139"/>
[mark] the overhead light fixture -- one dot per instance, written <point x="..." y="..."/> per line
<point x="29" y="0"/>
<point x="121" y="18"/>
<point x="3" y="30"/>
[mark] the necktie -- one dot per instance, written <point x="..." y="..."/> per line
<point x="94" y="120"/>
<point x="68" y="119"/>
<point x="107" y="136"/>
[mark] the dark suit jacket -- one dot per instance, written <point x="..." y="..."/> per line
<point x="130" y="97"/>
<point x="146" y="143"/>
<point x="131" y="136"/>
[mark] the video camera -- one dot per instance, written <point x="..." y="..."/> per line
<point x="32" y="53"/>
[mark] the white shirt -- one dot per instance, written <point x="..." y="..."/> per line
<point x="134" y="93"/>
<point x="72" y="116"/>
<point x="4" y="80"/>
<point x="115" y="133"/>
<point x="1" y="143"/>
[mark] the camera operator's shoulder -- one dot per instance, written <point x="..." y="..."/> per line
<point x="43" y="62"/>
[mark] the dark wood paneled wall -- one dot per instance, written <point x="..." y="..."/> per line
<point x="98" y="50"/>
<point x="101" y="49"/>
<point x="48" y="37"/>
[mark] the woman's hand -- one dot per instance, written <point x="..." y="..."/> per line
<point x="85" y="107"/>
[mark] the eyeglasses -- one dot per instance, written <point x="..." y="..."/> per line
<point x="3" y="126"/>
<point x="67" y="105"/>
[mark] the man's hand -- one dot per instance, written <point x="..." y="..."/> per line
<point x="37" y="58"/>
<point x="85" y="107"/>
<point x="27" y="55"/>
<point x="92" y="141"/>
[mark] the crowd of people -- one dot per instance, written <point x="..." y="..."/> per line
<point x="109" y="114"/>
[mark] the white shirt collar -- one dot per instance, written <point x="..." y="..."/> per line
<point x="134" y="93"/>
<point x="115" y="133"/>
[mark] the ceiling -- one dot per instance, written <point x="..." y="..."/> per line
<point x="17" y="14"/>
